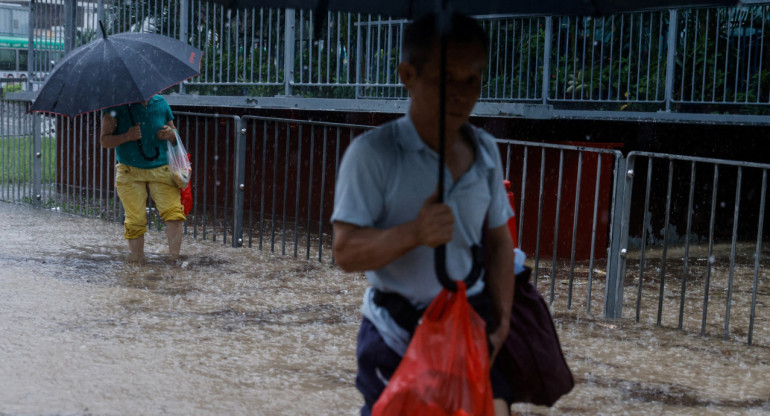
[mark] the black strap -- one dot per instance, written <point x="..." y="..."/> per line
<point x="139" y="142"/>
<point x="407" y="316"/>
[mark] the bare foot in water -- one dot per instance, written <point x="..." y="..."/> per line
<point x="136" y="259"/>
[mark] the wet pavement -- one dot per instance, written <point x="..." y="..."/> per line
<point x="246" y="332"/>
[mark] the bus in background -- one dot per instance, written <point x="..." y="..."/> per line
<point x="14" y="50"/>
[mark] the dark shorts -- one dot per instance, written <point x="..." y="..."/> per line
<point x="377" y="363"/>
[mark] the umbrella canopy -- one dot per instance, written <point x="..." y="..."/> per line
<point x="119" y="69"/>
<point x="416" y="8"/>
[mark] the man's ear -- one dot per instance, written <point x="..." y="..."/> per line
<point x="407" y="72"/>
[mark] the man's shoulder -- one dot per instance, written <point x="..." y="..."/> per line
<point x="482" y="134"/>
<point x="381" y="139"/>
<point x="486" y="139"/>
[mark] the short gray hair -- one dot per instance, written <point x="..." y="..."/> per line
<point x="420" y="35"/>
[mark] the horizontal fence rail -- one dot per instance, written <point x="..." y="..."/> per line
<point x="688" y="60"/>
<point x="695" y="256"/>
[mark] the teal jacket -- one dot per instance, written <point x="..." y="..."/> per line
<point x="152" y="152"/>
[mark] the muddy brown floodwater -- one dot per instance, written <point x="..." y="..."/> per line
<point x="246" y="332"/>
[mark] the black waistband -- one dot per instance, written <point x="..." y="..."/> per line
<point x="407" y="316"/>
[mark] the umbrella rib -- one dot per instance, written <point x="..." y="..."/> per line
<point x="123" y="62"/>
<point x="167" y="53"/>
<point x="147" y="62"/>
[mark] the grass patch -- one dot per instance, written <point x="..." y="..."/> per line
<point x="17" y="156"/>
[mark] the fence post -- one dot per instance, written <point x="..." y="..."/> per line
<point x="70" y="25"/>
<point x="359" y="58"/>
<point x="613" y="299"/>
<point x="100" y="14"/>
<point x="673" y="22"/>
<point x="37" y="187"/>
<point x="184" y="23"/>
<point x="288" y="56"/>
<point x="30" y="45"/>
<point x="547" y="58"/>
<point x="239" y="181"/>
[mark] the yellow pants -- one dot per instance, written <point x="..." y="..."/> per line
<point x="132" y="184"/>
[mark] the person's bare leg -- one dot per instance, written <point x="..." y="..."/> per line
<point x="136" y="246"/>
<point x="174" y="234"/>
<point x="501" y="408"/>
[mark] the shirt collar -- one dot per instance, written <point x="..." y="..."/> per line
<point x="407" y="135"/>
<point x="409" y="140"/>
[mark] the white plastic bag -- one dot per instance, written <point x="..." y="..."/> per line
<point x="179" y="162"/>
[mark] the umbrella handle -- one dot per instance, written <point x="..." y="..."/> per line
<point x="443" y="277"/>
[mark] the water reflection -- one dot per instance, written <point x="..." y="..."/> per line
<point x="239" y="331"/>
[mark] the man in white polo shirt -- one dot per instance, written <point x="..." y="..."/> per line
<point x="387" y="220"/>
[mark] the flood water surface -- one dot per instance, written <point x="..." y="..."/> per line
<point x="230" y="331"/>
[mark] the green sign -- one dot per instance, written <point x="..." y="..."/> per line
<point x="17" y="42"/>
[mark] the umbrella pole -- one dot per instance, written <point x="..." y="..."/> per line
<point x="444" y="20"/>
<point x="104" y="32"/>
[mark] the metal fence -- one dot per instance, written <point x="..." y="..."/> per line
<point x="595" y="228"/>
<point x="690" y="60"/>
<point x="695" y="251"/>
<point x="289" y="183"/>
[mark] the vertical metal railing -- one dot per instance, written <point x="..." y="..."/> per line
<point x="721" y="56"/>
<point x="575" y="186"/>
<point x="288" y="190"/>
<point x="517" y="47"/>
<point x="214" y="143"/>
<point x="696" y="239"/>
<point x="610" y="59"/>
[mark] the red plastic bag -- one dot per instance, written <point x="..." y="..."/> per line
<point x="445" y="370"/>
<point x="186" y="194"/>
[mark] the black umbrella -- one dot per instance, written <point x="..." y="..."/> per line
<point x="415" y="8"/>
<point x="119" y="69"/>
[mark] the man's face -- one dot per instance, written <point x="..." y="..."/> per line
<point x="464" y="66"/>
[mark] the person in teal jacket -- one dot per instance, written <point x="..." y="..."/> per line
<point x="137" y="133"/>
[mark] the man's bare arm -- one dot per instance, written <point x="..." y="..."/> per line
<point x="501" y="280"/>
<point x="167" y="132"/>
<point x="361" y="248"/>
<point x="110" y="140"/>
<point x="358" y="249"/>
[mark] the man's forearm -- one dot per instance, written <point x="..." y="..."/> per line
<point x="359" y="249"/>
<point x="110" y="141"/>
<point x="501" y="281"/>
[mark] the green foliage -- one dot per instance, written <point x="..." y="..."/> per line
<point x="11" y="87"/>
<point x="17" y="159"/>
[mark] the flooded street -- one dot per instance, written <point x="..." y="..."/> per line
<point x="246" y="332"/>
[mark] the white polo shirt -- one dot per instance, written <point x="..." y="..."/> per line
<point x="385" y="176"/>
